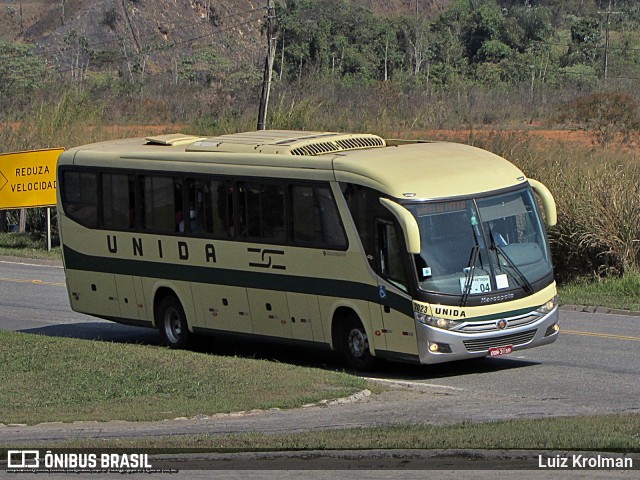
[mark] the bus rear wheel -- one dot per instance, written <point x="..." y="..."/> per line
<point x="172" y="323"/>
<point x="355" y="345"/>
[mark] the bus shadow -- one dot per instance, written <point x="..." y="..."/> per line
<point x="398" y="371"/>
<point x="327" y="360"/>
<point x="223" y="346"/>
<point x="280" y="353"/>
<point x="99" y="331"/>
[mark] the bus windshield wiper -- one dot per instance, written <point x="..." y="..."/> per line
<point x="471" y="268"/>
<point x="520" y="278"/>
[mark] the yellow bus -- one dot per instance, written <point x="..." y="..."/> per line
<point x="413" y="251"/>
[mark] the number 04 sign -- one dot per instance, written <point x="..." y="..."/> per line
<point x="28" y="179"/>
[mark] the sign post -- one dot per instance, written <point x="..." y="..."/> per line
<point x="28" y="179"/>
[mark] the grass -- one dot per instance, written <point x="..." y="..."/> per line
<point x="620" y="293"/>
<point x="606" y="433"/>
<point x="25" y="246"/>
<point x="47" y="379"/>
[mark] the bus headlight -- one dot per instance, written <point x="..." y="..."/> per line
<point x="547" y="307"/>
<point x="437" y="322"/>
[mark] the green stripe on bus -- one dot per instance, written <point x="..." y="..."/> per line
<point x="236" y="278"/>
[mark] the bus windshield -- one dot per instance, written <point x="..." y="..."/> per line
<point x="482" y="245"/>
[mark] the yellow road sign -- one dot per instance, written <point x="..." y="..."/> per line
<point x="28" y="179"/>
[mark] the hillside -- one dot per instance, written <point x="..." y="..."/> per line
<point x="157" y="32"/>
<point x="115" y="28"/>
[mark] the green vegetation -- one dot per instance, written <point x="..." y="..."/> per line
<point x="489" y="64"/>
<point x="610" y="433"/>
<point x="59" y="379"/>
<point x="618" y="292"/>
<point x="27" y="246"/>
<point x="21" y="70"/>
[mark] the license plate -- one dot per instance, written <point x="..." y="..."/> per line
<point x="479" y="284"/>
<point x="497" y="351"/>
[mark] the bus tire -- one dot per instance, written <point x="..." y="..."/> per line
<point x="355" y="344"/>
<point x="172" y="323"/>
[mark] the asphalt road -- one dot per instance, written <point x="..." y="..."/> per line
<point x="592" y="369"/>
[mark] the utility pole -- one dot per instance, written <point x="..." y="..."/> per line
<point x="268" y="67"/>
<point x="606" y="41"/>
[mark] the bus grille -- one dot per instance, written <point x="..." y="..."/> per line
<point x="484" y="344"/>
<point x="492" y="325"/>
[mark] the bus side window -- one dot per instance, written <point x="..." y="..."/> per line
<point x="315" y="216"/>
<point x="332" y="231"/>
<point x="160" y="210"/>
<point x="118" y="201"/>
<point x="272" y="212"/>
<point x="305" y="215"/>
<point x="262" y="212"/>
<point x="198" y="218"/>
<point x="362" y="203"/>
<point x="80" y="198"/>
<point x="210" y="207"/>
<point x="222" y="208"/>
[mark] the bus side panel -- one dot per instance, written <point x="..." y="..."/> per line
<point x="143" y="311"/>
<point x="305" y="315"/>
<point x="93" y="293"/>
<point x="399" y="328"/>
<point x="400" y="331"/>
<point x="127" y="296"/>
<point x="269" y="312"/>
<point x="223" y="307"/>
<point x="379" y="342"/>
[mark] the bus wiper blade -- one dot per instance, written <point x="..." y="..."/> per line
<point x="471" y="266"/>
<point x="520" y="277"/>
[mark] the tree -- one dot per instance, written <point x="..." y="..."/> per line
<point x="585" y="40"/>
<point x="204" y="66"/>
<point x="21" y="70"/>
<point x="336" y="37"/>
<point x="77" y="46"/>
<point x="485" y="23"/>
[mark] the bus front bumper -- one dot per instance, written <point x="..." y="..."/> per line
<point x="437" y="345"/>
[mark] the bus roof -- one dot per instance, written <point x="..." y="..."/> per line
<point x="403" y="169"/>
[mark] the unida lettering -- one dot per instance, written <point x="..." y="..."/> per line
<point x="451" y="312"/>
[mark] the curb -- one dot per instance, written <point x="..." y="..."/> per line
<point x="356" y="397"/>
<point x="31" y="261"/>
<point x="596" y="309"/>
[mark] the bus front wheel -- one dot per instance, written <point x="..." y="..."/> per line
<point x="172" y="323"/>
<point x="355" y="345"/>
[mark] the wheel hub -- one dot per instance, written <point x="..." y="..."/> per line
<point x="174" y="326"/>
<point x="358" y="343"/>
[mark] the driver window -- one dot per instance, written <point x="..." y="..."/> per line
<point x="390" y="254"/>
